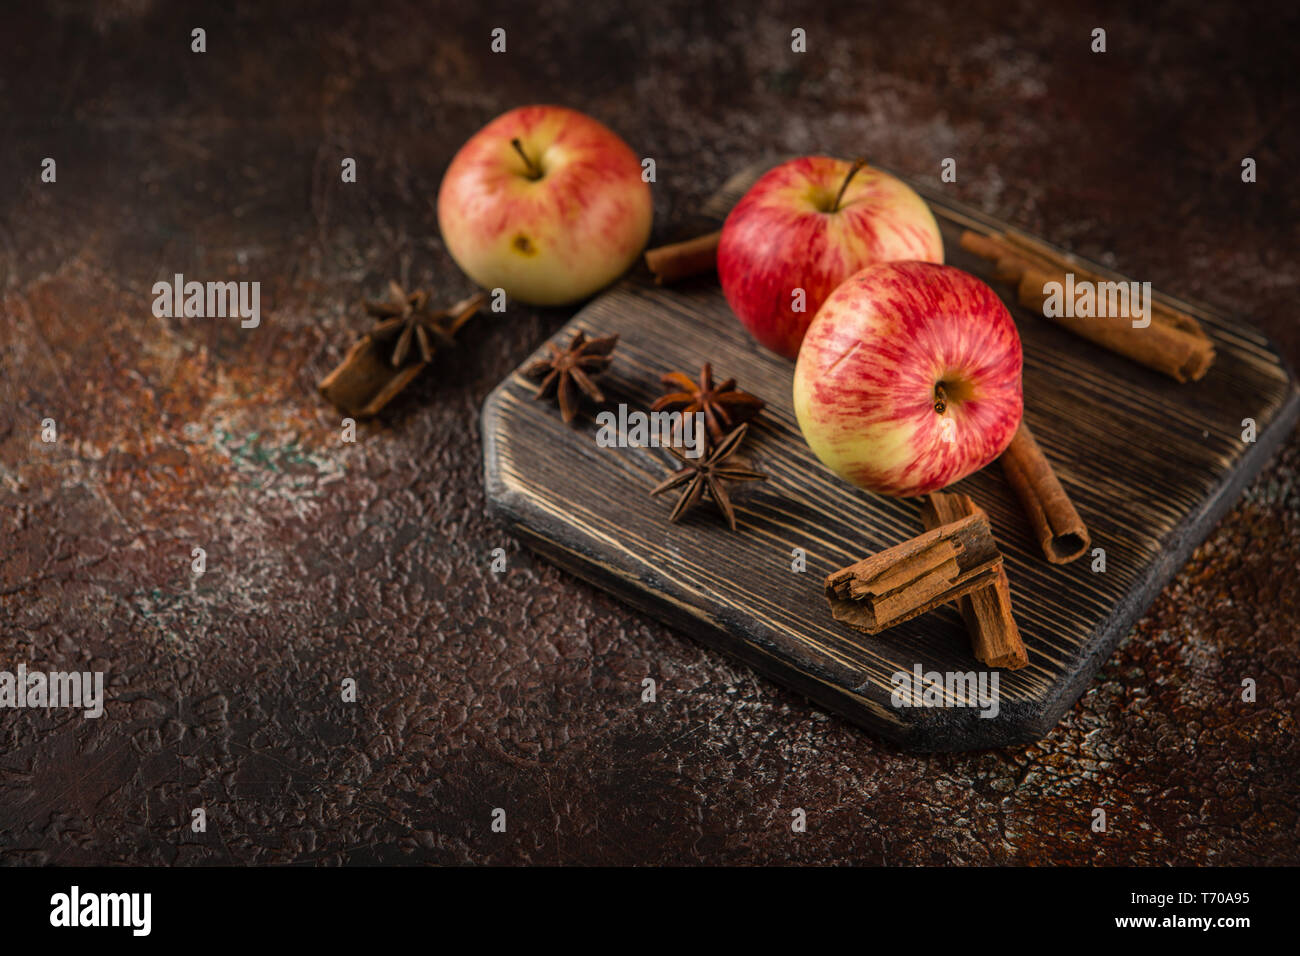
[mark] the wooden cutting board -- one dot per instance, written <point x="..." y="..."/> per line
<point x="1150" y="464"/>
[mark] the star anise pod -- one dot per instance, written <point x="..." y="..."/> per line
<point x="568" y="371"/>
<point x="724" y="406"/>
<point x="408" y="327"/>
<point x="708" y="473"/>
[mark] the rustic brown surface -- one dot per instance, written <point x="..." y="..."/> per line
<point x="372" y="560"/>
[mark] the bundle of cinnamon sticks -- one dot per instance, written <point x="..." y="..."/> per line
<point x="955" y="560"/>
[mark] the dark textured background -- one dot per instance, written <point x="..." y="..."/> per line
<point x="371" y="560"/>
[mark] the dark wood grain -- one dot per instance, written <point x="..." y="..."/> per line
<point x="1150" y="464"/>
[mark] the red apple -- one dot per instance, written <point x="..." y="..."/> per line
<point x="909" y="378"/>
<point x="808" y="225"/>
<point x="545" y="203"/>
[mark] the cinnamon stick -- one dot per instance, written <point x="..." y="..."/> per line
<point x="1162" y="345"/>
<point x="1060" y="531"/>
<point x="679" y="260"/>
<point x="1053" y="262"/>
<point x="365" y="381"/>
<point x="1173" y="343"/>
<point x="986" y="247"/>
<point x="995" y="638"/>
<point x="907" y="580"/>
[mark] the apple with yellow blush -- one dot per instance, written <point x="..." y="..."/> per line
<point x="545" y="203"/>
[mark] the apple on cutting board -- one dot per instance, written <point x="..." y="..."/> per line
<point x="806" y="226"/>
<point x="909" y="378"/>
<point x="545" y="203"/>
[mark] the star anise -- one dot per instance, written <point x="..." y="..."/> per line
<point x="408" y="327"/>
<point x="568" y="371"/>
<point x="724" y="406"/>
<point x="708" y="474"/>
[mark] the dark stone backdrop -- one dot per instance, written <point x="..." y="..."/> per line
<point x="371" y="560"/>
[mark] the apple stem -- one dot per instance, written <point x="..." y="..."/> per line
<point x="940" y="399"/>
<point x="853" y="171"/>
<point x="533" y="171"/>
